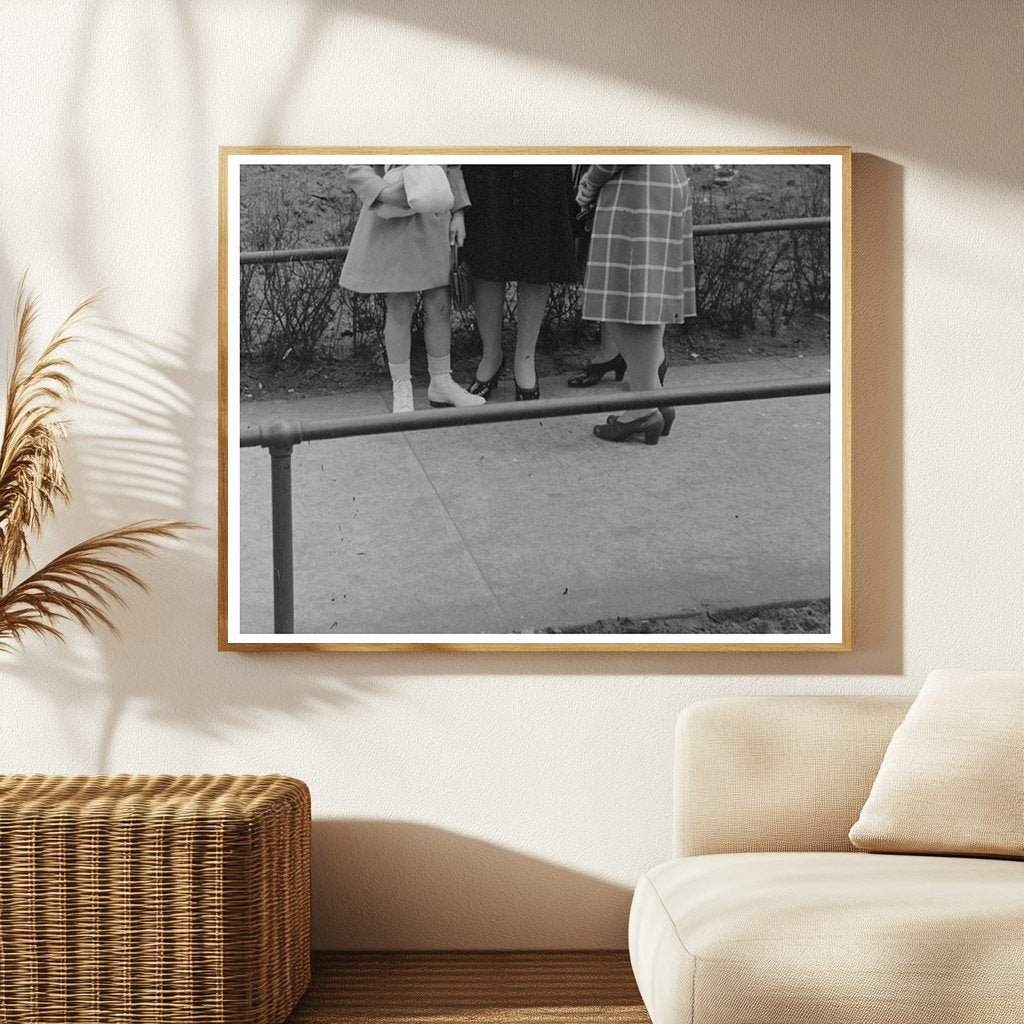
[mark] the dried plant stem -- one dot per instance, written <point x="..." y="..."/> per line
<point x="81" y="584"/>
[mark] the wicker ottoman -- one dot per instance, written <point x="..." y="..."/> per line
<point x="131" y="899"/>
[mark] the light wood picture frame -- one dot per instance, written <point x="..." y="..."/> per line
<point x="509" y="526"/>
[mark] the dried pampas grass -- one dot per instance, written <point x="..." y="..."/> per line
<point x="83" y="583"/>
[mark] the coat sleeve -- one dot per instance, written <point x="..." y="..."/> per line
<point x="366" y="181"/>
<point x="458" y="186"/>
<point x="596" y="175"/>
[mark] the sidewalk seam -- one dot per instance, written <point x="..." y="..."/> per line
<point x="455" y="527"/>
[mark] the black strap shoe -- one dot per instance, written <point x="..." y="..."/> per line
<point x="485" y="387"/>
<point x="594" y="373"/>
<point x="527" y="394"/>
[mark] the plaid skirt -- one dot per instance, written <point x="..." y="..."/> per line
<point x="640" y="268"/>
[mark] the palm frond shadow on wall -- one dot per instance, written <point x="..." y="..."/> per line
<point x="147" y="444"/>
<point x="136" y="455"/>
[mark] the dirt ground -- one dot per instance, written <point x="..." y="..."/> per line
<point x="358" y="371"/>
<point x="806" y="617"/>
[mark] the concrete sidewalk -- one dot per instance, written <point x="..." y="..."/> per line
<point x="518" y="526"/>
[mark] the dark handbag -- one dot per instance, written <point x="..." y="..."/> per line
<point x="461" y="281"/>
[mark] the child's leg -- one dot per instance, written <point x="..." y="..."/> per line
<point x="397" y="343"/>
<point x="437" y="322"/>
<point x="398" y="332"/>
<point x="437" y="333"/>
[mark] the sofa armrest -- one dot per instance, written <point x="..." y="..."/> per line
<point x="759" y="774"/>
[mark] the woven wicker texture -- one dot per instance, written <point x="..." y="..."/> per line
<point x="137" y="899"/>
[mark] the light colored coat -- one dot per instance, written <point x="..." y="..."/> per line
<point x="402" y="254"/>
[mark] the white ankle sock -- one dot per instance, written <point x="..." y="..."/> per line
<point x="439" y="366"/>
<point x="400" y="371"/>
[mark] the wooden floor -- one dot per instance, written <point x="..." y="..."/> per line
<point x="466" y="988"/>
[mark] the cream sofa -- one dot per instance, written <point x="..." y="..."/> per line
<point x="768" y="915"/>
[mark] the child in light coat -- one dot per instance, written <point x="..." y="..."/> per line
<point x="404" y="250"/>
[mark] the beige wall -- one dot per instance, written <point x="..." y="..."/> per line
<point x="487" y="800"/>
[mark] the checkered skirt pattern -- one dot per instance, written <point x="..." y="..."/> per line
<point x="640" y="269"/>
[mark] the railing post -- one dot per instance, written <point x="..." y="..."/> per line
<point x="281" y="523"/>
<point x="282" y="437"/>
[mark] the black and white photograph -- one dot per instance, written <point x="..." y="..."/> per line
<point x="535" y="399"/>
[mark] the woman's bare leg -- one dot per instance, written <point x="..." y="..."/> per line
<point x="629" y="376"/>
<point x="531" y="301"/>
<point x="489" y="302"/>
<point x="641" y="347"/>
<point x="606" y="350"/>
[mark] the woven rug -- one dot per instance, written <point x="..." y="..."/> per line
<point x="465" y="988"/>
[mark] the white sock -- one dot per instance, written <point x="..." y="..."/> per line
<point x="439" y="366"/>
<point x="400" y="371"/>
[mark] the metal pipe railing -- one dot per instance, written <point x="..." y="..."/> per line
<point x="280" y="433"/>
<point x="738" y="227"/>
<point x="280" y="436"/>
<point x="323" y="252"/>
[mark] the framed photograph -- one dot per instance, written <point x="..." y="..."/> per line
<point x="535" y="399"/>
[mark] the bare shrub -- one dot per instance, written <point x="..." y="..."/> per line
<point x="286" y="307"/>
<point x="734" y="274"/>
<point x="251" y="307"/>
<point x="810" y="270"/>
<point x="754" y="281"/>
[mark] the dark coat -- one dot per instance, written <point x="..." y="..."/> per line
<point x="520" y="224"/>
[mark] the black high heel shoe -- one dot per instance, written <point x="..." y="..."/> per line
<point x="593" y="373"/>
<point x="668" y="415"/>
<point x="485" y="387"/>
<point x="527" y="394"/>
<point x="652" y="426"/>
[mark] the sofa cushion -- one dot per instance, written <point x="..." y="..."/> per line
<point x="791" y="938"/>
<point x="777" y="772"/>
<point x="950" y="781"/>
